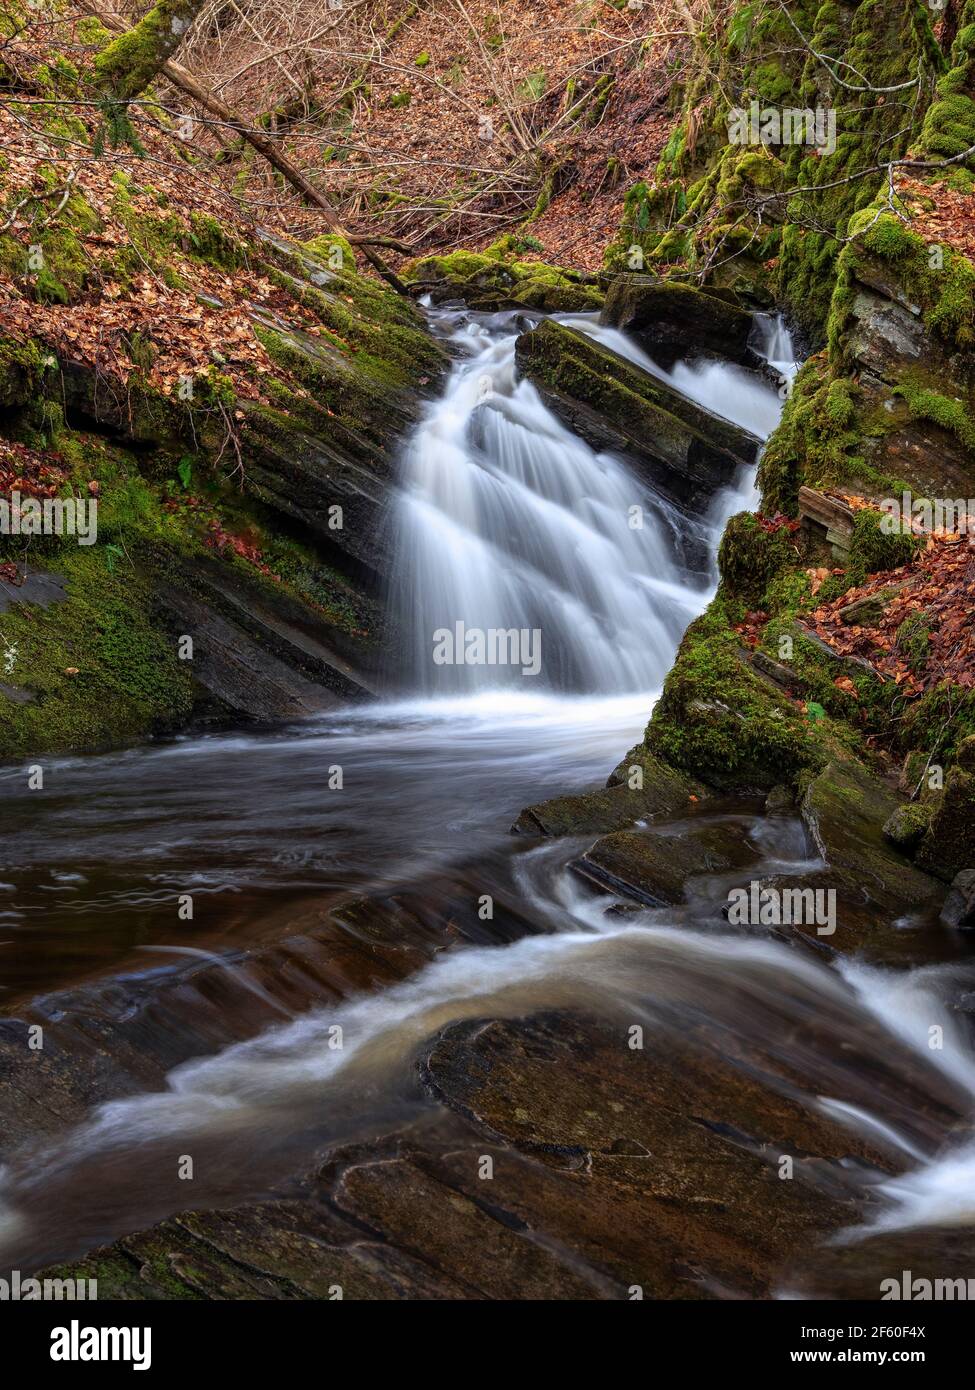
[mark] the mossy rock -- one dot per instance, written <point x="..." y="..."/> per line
<point x="717" y="720"/>
<point x="749" y="558"/>
<point x="906" y="827"/>
<point x="672" y="321"/>
<point x="948" y="846"/>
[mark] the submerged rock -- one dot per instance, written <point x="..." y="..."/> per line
<point x="959" y="908"/>
<point x="653" y="867"/>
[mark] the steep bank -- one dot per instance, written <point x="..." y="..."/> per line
<point x="230" y="400"/>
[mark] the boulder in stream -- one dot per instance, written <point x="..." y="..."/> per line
<point x="672" y="321"/>
<point x="683" y="450"/>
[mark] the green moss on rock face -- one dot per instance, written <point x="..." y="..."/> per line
<point x="942" y="287"/>
<point x="497" y="279"/>
<point x="718" y="721"/>
<point x="949" y="844"/>
<point x="874" y="551"/>
<point x="129" y="681"/>
<point x="750" y="557"/>
<point x="949" y="126"/>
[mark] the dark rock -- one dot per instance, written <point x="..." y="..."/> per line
<point x="906" y="826"/>
<point x="671" y="321"/>
<point x="37" y="586"/>
<point x="845" y="809"/>
<point x="683" y="450"/>
<point x="260" y="654"/>
<point x="653" y="867"/>
<point x="959" y="908"/>
<point x="949" y="844"/>
<point x="663" y="792"/>
<point x="780" y="802"/>
<point x="16" y="694"/>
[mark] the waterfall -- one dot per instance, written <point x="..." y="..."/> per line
<point x="508" y="523"/>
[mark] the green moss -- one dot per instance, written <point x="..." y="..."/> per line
<point x="210" y="242"/>
<point x="874" y="551"/>
<point x="914" y="641"/>
<point x="129" y="679"/>
<point x="422" y="59"/>
<point x="129" y="63"/>
<point x="718" y="721"/>
<point x="750" y="557"/>
<point x="948" y="412"/>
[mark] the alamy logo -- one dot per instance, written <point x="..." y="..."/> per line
<point x="913" y="1290"/>
<point x="19" y="1290"/>
<point x="756" y="906"/>
<point x="50" y="516"/>
<point x="77" y="1343"/>
<point x="907" y="515"/>
<point x="783" y="125"/>
<point x="493" y="646"/>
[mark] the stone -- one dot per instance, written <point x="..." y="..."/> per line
<point x="959" y="908"/>
<point x="949" y="844"/>
<point x="672" y="322"/>
<point x="905" y="827"/>
<point x="652" y="867"/>
<point x="680" y="448"/>
<point x="845" y="809"/>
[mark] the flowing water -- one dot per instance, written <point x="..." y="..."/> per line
<point x="507" y="522"/>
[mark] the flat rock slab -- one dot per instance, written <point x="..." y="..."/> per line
<point x="653" y="868"/>
<point x="664" y="792"/>
<point x="845" y="809"/>
<point x="611" y="1168"/>
<point x="42" y="587"/>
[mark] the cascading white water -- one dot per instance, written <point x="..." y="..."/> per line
<point x="507" y="521"/>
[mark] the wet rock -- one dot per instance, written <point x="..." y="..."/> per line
<point x="905" y="828"/>
<point x="845" y="809"/>
<point x="653" y="867"/>
<point x="16" y="694"/>
<point x="949" y="844"/>
<point x="42" y="587"/>
<point x="651" y="1165"/>
<point x="684" y="451"/>
<point x="959" y="908"/>
<point x="640" y="787"/>
<point x="261" y="655"/>
<point x="672" y="322"/>
<point x="780" y="801"/>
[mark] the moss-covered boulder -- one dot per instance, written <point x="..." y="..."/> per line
<point x="948" y="846"/>
<point x="672" y="321"/>
<point x="684" y="450"/>
<point x="718" y="720"/>
<point x="500" y="279"/>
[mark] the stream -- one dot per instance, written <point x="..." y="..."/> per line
<point x="505" y="521"/>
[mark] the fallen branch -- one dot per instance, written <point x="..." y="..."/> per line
<point x="183" y="79"/>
